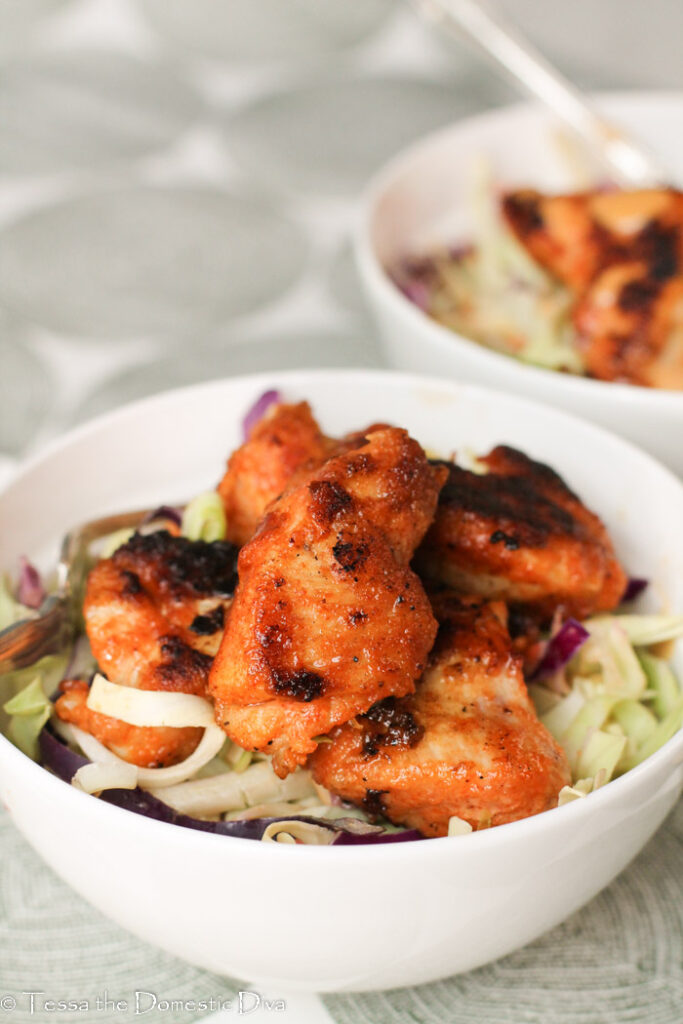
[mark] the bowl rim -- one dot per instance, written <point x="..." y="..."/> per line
<point x="483" y="839"/>
<point x="373" y="271"/>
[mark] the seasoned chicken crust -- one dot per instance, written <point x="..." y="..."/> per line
<point x="328" y="617"/>
<point x="154" y="615"/>
<point x="467" y="743"/>
<point x="518" y="533"/>
<point x="283" y="447"/>
<point x="621" y="254"/>
<point x="286" y="441"/>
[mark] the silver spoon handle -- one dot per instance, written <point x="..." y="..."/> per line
<point x="626" y="162"/>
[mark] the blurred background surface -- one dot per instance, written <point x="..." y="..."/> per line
<point x="177" y="183"/>
<point x="178" y="177"/>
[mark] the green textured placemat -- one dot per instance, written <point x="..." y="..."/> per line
<point x="618" y="960"/>
<point x="52" y="940"/>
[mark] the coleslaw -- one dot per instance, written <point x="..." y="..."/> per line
<point x="603" y="688"/>
<point x="492" y="291"/>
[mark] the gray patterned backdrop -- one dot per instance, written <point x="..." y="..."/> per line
<point x="177" y="181"/>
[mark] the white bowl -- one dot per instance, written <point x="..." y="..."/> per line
<point x="326" y="918"/>
<point x="420" y="200"/>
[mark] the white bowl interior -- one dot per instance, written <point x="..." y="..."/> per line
<point x="294" y="927"/>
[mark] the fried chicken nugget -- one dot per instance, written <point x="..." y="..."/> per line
<point x="466" y="744"/>
<point x="328" y="617"/>
<point x="154" y="615"/>
<point x="621" y="254"/>
<point x="518" y="533"/>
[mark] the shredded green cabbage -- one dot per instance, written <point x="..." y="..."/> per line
<point x="49" y="669"/>
<point x="29" y="710"/>
<point x="204" y="518"/>
<point x="623" y="702"/>
<point x="495" y="293"/>
<point x="600" y="753"/>
<point x="608" y="657"/>
<point x="646" y="630"/>
<point x="238" y="759"/>
<point x="665" y="730"/>
<point x="662" y="683"/>
<point x="113" y="541"/>
<point x="11" y="610"/>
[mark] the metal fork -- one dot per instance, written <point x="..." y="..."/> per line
<point x="627" y="162"/>
<point x="26" y="641"/>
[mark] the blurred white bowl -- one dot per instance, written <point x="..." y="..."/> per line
<point x="420" y="200"/>
<point x="326" y="918"/>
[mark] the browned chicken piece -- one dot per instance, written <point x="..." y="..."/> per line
<point x="630" y="327"/>
<point x="621" y="254"/>
<point x="147" y="747"/>
<point x="154" y="616"/>
<point x="328" y="618"/>
<point x="466" y="744"/>
<point x="282" y="448"/>
<point x="519" y="534"/>
<point x="559" y="232"/>
<point x="285" y="441"/>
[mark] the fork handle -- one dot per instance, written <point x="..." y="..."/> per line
<point x="27" y="641"/>
<point x="627" y="163"/>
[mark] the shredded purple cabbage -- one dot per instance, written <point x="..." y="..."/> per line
<point x="163" y="512"/>
<point x="64" y="762"/>
<point x="416" y="279"/>
<point x="350" y="839"/>
<point x="634" y="588"/>
<point x="258" y="409"/>
<point x="417" y="292"/>
<point x="30" y="591"/>
<point x="561" y="648"/>
<point x="459" y="252"/>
